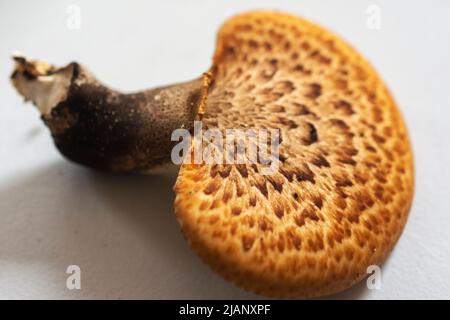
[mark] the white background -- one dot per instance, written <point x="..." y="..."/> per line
<point x="121" y="230"/>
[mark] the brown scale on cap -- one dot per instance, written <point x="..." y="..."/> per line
<point x="341" y="196"/>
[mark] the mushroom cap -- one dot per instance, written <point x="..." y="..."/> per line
<point x="343" y="190"/>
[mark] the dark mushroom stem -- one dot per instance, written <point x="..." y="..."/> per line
<point x="102" y="128"/>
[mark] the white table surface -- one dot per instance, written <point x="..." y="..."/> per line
<point x="121" y="230"/>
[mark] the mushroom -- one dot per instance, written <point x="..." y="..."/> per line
<point x="341" y="195"/>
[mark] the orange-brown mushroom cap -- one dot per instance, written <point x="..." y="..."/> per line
<point x="341" y="196"/>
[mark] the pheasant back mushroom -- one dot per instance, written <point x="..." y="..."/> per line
<point x="341" y="195"/>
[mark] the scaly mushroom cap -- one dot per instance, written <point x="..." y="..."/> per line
<point x="341" y="196"/>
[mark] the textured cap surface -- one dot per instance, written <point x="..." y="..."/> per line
<point x="341" y="196"/>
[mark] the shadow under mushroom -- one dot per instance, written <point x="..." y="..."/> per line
<point x="120" y="230"/>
